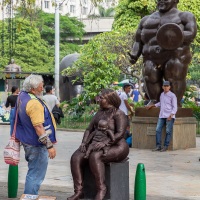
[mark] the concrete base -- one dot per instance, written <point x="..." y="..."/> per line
<point x="117" y="182"/>
<point x="144" y="133"/>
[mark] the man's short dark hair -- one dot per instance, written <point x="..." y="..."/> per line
<point x="126" y="85"/>
<point x="48" y="88"/>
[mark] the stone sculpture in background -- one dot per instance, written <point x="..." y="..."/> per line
<point x="69" y="90"/>
<point x="163" y="39"/>
<point x="12" y="67"/>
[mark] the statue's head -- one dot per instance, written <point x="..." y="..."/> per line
<point x="166" y="5"/>
<point x="109" y="98"/>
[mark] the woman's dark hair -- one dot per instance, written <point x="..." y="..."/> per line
<point x="13" y="89"/>
<point x="112" y="97"/>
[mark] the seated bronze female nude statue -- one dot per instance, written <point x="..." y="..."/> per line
<point x="118" y="151"/>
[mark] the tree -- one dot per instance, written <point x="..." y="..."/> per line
<point x="30" y="52"/>
<point x="45" y="22"/>
<point x="128" y="13"/>
<point x="100" y="60"/>
<point x="42" y="28"/>
<point x="103" y="12"/>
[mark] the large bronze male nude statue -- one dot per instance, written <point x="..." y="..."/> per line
<point x="163" y="39"/>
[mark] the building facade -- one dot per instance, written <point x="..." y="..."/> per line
<point x="73" y="8"/>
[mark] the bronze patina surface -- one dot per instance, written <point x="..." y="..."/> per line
<point x="163" y="38"/>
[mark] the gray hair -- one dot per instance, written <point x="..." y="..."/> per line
<point x="32" y="81"/>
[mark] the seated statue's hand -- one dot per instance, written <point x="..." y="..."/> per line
<point x="82" y="148"/>
<point x="98" y="146"/>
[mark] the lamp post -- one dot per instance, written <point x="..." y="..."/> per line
<point x="57" y="48"/>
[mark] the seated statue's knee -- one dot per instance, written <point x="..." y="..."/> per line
<point x="95" y="155"/>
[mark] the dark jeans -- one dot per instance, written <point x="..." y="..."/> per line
<point x="12" y="122"/>
<point x="169" y="131"/>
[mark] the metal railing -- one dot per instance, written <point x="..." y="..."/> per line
<point x="198" y="127"/>
<point x="83" y="122"/>
<point x="75" y="122"/>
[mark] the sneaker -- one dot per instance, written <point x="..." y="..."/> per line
<point x="163" y="149"/>
<point x="157" y="149"/>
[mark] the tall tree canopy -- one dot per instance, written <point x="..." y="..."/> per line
<point x="34" y="36"/>
<point x="30" y="51"/>
<point x="69" y="27"/>
<point x="99" y="61"/>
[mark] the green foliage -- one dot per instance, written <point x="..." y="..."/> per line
<point x="31" y="52"/>
<point x="78" y="113"/>
<point x="189" y="94"/>
<point x="103" y="12"/>
<point x="100" y="61"/>
<point x="193" y="7"/>
<point x="189" y="101"/>
<point x="195" y="108"/>
<point x="138" y="104"/>
<point x="69" y="27"/>
<point x="34" y="39"/>
<point x="129" y="13"/>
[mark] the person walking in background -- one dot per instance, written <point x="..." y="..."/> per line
<point x="53" y="104"/>
<point x="135" y="94"/>
<point x="125" y="107"/>
<point x="50" y="99"/>
<point x="36" y="130"/>
<point x="168" y="109"/>
<point x="10" y="102"/>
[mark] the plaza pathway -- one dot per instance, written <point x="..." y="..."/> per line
<point x="171" y="175"/>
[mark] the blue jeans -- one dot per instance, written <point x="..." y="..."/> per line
<point x="37" y="158"/>
<point x="169" y="131"/>
<point x="12" y="121"/>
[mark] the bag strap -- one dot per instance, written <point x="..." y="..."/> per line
<point x="16" y="118"/>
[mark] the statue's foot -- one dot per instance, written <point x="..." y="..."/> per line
<point x="76" y="196"/>
<point x="100" y="194"/>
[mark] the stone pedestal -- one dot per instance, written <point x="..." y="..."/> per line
<point x="117" y="182"/>
<point x="144" y="130"/>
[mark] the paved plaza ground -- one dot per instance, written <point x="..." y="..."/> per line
<point x="171" y="175"/>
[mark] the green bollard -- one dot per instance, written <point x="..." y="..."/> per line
<point x="140" y="183"/>
<point x="12" y="181"/>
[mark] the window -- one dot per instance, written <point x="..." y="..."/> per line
<point x="46" y="4"/>
<point x="85" y="2"/>
<point x="84" y="10"/>
<point x="61" y="6"/>
<point x="72" y="8"/>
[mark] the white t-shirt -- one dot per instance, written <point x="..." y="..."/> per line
<point x="51" y="100"/>
<point x="123" y="96"/>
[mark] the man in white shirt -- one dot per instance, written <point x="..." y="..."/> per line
<point x="50" y="99"/>
<point x="125" y="106"/>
